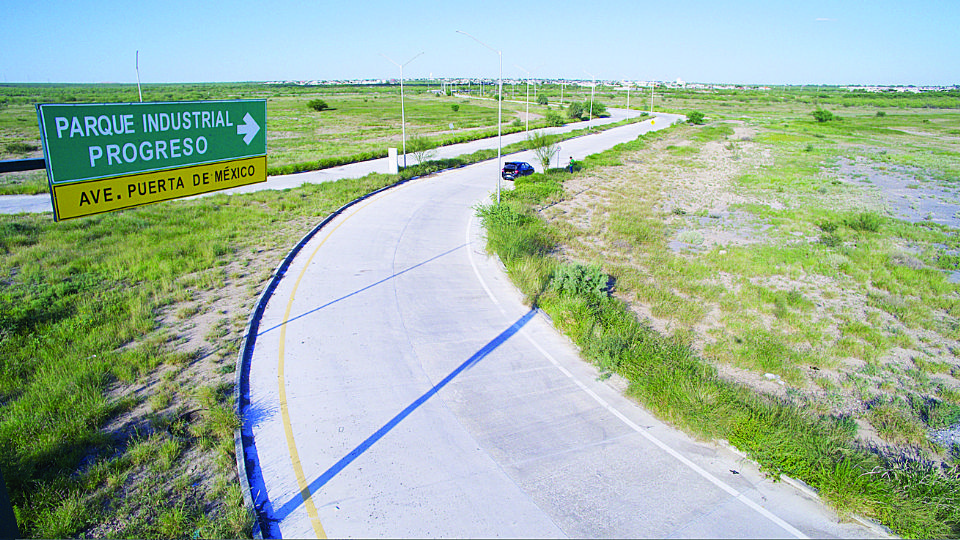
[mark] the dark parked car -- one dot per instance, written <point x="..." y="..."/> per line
<point x="513" y="169"/>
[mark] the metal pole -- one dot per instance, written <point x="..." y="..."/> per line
<point x="527" y="128"/>
<point x="403" y="121"/>
<point x="403" y="116"/>
<point x="628" y="97"/>
<point x="591" y="93"/>
<point x="652" y="85"/>
<point x="499" y="127"/>
<point x="138" y="77"/>
<point x="499" y="110"/>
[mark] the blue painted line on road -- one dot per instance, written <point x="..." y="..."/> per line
<point x="358" y="291"/>
<point x="330" y="473"/>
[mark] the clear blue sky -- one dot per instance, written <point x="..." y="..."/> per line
<point x="746" y="41"/>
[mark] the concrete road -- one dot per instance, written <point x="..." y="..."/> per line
<point x="399" y="387"/>
<point x="16" y="204"/>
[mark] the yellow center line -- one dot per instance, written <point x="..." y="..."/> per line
<point x="284" y="410"/>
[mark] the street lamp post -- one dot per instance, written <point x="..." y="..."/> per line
<point x="527" y="128"/>
<point x="592" y="87"/>
<point x="403" y="116"/>
<point x="499" y="110"/>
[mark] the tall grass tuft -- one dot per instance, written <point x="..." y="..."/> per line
<point x="914" y="498"/>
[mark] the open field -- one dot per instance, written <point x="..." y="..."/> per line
<point x="782" y="283"/>
<point x="118" y="338"/>
<point x="360" y="123"/>
<point x="763" y="242"/>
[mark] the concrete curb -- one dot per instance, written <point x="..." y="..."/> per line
<point x="241" y="377"/>
<point x="810" y="492"/>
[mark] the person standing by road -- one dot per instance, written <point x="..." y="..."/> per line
<point x="570" y="165"/>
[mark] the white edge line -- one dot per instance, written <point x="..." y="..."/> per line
<point x="663" y="446"/>
<point x="660" y="444"/>
<point x="474" y="265"/>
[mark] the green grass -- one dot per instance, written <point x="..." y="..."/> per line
<point x="361" y="123"/>
<point x="78" y="318"/>
<point x="909" y="495"/>
<point x="80" y="302"/>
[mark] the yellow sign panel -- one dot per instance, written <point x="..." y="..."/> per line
<point x="107" y="194"/>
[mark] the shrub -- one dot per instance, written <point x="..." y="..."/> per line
<point x="695" y="117"/>
<point x="822" y="115"/>
<point x="575" y="111"/>
<point x="422" y="148"/>
<point x="881" y="114"/>
<point x="318" y="105"/>
<point x="599" y="109"/>
<point x="554" y="119"/>
<point x="579" y="280"/>
<point x="864" y="222"/>
<point x="544" y="147"/>
<point x="454" y="107"/>
<point x="542" y="99"/>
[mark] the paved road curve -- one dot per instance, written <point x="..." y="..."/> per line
<point x="15" y="204"/>
<point x="398" y="387"/>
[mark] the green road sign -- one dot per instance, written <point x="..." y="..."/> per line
<point x="88" y="141"/>
<point x="105" y="144"/>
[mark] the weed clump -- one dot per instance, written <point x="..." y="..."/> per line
<point x="580" y="280"/>
<point x="864" y="222"/>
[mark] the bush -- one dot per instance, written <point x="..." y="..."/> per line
<point x="580" y="280"/>
<point x="554" y="119"/>
<point x="542" y="99"/>
<point x="454" y="107"/>
<point x="544" y="146"/>
<point x="864" y="222"/>
<point x="422" y="148"/>
<point x="822" y="115"/>
<point x="575" y="111"/>
<point x="318" y="105"/>
<point x="695" y="117"/>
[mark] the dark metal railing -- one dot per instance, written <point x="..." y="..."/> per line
<point x="16" y="165"/>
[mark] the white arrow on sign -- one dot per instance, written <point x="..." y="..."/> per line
<point x="248" y="129"/>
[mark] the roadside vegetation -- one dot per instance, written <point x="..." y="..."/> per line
<point x="119" y="332"/>
<point x="757" y="280"/>
<point x="118" y="341"/>
<point x="308" y="127"/>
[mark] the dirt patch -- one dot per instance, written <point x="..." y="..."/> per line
<point x="909" y="193"/>
<point x="697" y="196"/>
